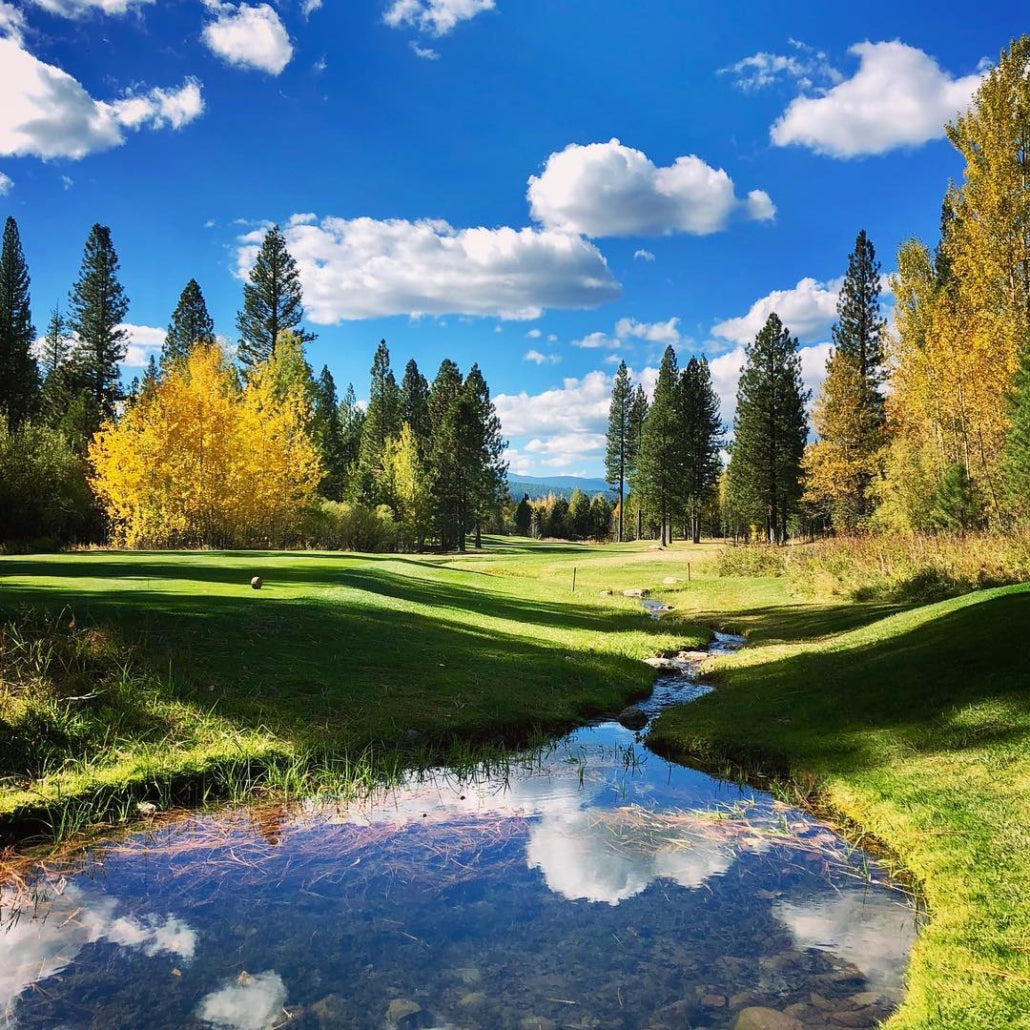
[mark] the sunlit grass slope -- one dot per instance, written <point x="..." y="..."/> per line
<point x="917" y="728"/>
<point x="337" y="655"/>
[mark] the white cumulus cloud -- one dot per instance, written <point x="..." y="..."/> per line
<point x="627" y="329"/>
<point x="364" y="268"/>
<point x="82" y="8"/>
<point x="607" y="189"/>
<point x="899" y="97"/>
<point x="643" y="255"/>
<point x="437" y="17"/>
<point x="806" y="66"/>
<point x="12" y="21"/>
<point x="807" y="310"/>
<point x="541" y="359"/>
<point x="47" y="113"/>
<point x="141" y="341"/>
<point x="250" y="37"/>
<point x="6" y="184"/>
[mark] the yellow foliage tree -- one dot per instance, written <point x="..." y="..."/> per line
<point x="843" y="462"/>
<point x="201" y="461"/>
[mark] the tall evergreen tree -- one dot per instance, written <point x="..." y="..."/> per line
<point x="327" y="430"/>
<point x="483" y="451"/>
<point x="661" y="464"/>
<point x="19" y="375"/>
<point x="702" y="440"/>
<point x="352" y="422"/>
<point x="446" y="469"/>
<point x="57" y="389"/>
<point x="415" y="405"/>
<point x="637" y="417"/>
<point x="272" y="301"/>
<point x="616" y="458"/>
<point x="770" y="428"/>
<point x="96" y="310"/>
<point x="523" y="516"/>
<point x="190" y="324"/>
<point x="382" y="422"/>
<point x="860" y="327"/>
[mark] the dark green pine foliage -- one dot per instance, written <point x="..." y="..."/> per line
<point x="272" y="301"/>
<point x="327" y="429"/>
<point x="770" y="429"/>
<point x="96" y="309"/>
<point x="616" y="458"/>
<point x="702" y="440"/>
<point x="523" y="516"/>
<point x="446" y="471"/>
<point x="956" y="506"/>
<point x="382" y="421"/>
<point x="19" y="374"/>
<point x="415" y="405"/>
<point x="151" y="377"/>
<point x="661" y="463"/>
<point x="483" y="450"/>
<point x="57" y="388"/>
<point x="190" y="324"/>
<point x="860" y="327"/>
<point x="352" y="423"/>
<point x="637" y="417"/>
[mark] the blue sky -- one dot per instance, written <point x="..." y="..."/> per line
<point x="543" y="187"/>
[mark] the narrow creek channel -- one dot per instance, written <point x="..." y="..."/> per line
<point x="589" y="885"/>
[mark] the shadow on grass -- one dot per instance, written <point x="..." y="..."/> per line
<point x="953" y="683"/>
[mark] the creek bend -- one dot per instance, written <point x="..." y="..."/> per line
<point x="592" y="884"/>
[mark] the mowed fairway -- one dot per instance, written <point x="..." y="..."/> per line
<point x="337" y="652"/>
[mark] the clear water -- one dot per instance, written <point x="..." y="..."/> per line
<point x="594" y="885"/>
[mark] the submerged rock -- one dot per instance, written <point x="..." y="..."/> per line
<point x="632" y="718"/>
<point x="758" y="1018"/>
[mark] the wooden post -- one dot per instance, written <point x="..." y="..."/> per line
<point x="573" y="578"/>
<point x="688" y="572"/>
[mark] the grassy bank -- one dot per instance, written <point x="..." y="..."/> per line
<point x="915" y="726"/>
<point x="164" y="675"/>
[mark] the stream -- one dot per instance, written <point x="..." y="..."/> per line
<point x="591" y="884"/>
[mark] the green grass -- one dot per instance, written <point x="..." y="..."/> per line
<point x="330" y="666"/>
<point x="916" y="728"/>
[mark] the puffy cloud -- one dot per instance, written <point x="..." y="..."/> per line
<point x="81" y="8"/>
<point x="898" y="97"/>
<point x="6" y="184"/>
<point x="142" y="341"/>
<point x="364" y="268"/>
<point x="247" y="1003"/>
<point x="427" y="53"/>
<point x="807" y="67"/>
<point x="47" y="113"/>
<point x="534" y="334"/>
<point x="12" y="22"/>
<point x="251" y="37"/>
<point x="437" y="17"/>
<point x="46" y="938"/>
<point x="759" y="206"/>
<point x="807" y="310"/>
<point x="607" y="189"/>
<point x="541" y="359"/>
<point x="629" y="328"/>
<point x="643" y="255"/>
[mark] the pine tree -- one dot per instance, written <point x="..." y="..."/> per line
<point x="523" y="516"/>
<point x="19" y="375"/>
<point x="860" y="327"/>
<point x="617" y="453"/>
<point x="272" y="301"/>
<point x="1016" y="458"/>
<point x="702" y="440"/>
<point x="484" y="452"/>
<point x="190" y="324"/>
<point x="327" y="431"/>
<point x="382" y="421"/>
<point x="770" y="428"/>
<point x="352" y="422"/>
<point x="445" y="466"/>
<point x="414" y="403"/>
<point x="56" y="344"/>
<point x="637" y="417"/>
<point x="96" y="310"/>
<point x="661" y="464"/>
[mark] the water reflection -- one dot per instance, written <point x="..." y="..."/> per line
<point x="590" y="883"/>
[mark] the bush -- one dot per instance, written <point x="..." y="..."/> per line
<point x="749" y="560"/>
<point x="348" y="526"/>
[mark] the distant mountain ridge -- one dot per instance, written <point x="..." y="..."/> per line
<point x="564" y="485"/>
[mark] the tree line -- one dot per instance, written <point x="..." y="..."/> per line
<point x="206" y="450"/>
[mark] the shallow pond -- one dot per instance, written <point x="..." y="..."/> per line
<point x="592" y="885"/>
